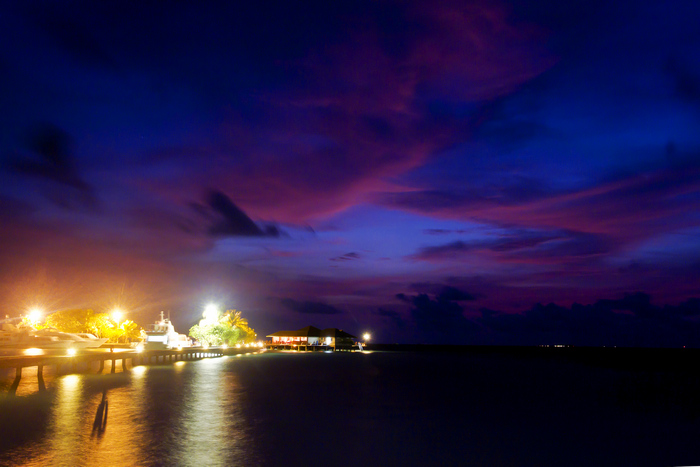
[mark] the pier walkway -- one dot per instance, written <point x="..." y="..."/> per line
<point x="65" y="364"/>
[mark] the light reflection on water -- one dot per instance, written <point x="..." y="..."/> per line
<point x="182" y="414"/>
<point x="384" y="408"/>
<point x="212" y="429"/>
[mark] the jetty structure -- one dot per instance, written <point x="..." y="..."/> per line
<point x="84" y="361"/>
<point x="311" y="338"/>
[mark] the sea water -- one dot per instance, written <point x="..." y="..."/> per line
<point x="370" y="408"/>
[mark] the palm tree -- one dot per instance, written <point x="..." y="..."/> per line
<point x="233" y="319"/>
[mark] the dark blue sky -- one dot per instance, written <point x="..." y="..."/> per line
<point x="428" y="171"/>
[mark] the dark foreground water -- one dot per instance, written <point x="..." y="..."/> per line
<point x="380" y="408"/>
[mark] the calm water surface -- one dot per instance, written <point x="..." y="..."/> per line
<point x="380" y="408"/>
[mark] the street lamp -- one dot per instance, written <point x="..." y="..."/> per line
<point x="117" y="315"/>
<point x="34" y="316"/>
<point x="211" y="314"/>
<point x="366" y="336"/>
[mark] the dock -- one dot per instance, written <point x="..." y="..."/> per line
<point x="66" y="364"/>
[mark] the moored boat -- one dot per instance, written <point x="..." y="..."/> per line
<point x="24" y="338"/>
<point x="162" y="335"/>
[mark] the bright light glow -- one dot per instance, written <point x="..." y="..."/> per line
<point x="117" y="315"/>
<point x="138" y="370"/>
<point x="33" y="351"/>
<point x="260" y="344"/>
<point x="205" y="346"/>
<point x="71" y="351"/>
<point x="366" y="336"/>
<point x="139" y="348"/>
<point x="35" y="315"/>
<point x="224" y="346"/>
<point x="71" y="381"/>
<point x="179" y="347"/>
<point x="238" y="346"/>
<point x="211" y="314"/>
<point x="247" y="345"/>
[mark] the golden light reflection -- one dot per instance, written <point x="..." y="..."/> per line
<point x="217" y="417"/>
<point x="33" y="351"/>
<point x="70" y="382"/>
<point x="66" y="426"/>
<point x="139" y="370"/>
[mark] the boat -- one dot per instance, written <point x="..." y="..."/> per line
<point x="66" y="338"/>
<point x="93" y="340"/>
<point x="27" y="337"/>
<point x="162" y="335"/>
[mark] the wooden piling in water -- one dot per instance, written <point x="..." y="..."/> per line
<point x="40" y="377"/>
<point x="15" y="383"/>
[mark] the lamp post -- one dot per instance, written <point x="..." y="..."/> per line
<point x="117" y="315"/>
<point x="34" y="316"/>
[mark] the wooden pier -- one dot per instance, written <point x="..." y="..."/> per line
<point x="70" y="363"/>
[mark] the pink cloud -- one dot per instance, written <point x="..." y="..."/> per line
<point x="359" y="119"/>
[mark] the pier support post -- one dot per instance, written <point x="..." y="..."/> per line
<point x="15" y="384"/>
<point x="124" y="368"/>
<point x="102" y="366"/>
<point x="40" y="377"/>
<point x="114" y="366"/>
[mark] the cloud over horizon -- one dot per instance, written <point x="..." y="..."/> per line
<point x="335" y="156"/>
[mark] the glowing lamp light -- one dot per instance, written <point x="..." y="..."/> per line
<point x="211" y="314"/>
<point x="205" y="346"/>
<point x="224" y="346"/>
<point x="33" y="351"/>
<point x="179" y="347"/>
<point x="139" y="348"/>
<point x="238" y="346"/>
<point x="366" y="336"/>
<point x="71" y="352"/>
<point x="117" y="314"/>
<point x="35" y="315"/>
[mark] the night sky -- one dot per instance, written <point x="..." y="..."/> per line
<point x="426" y="171"/>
